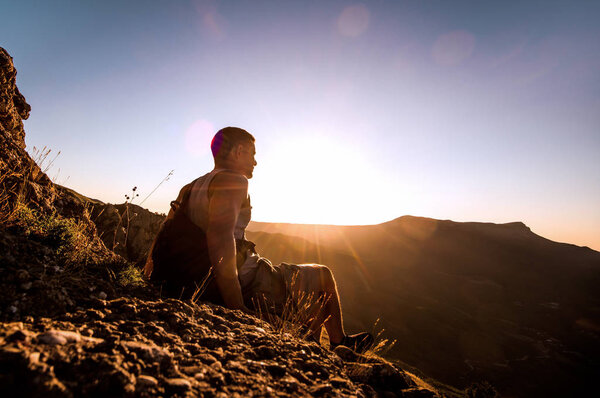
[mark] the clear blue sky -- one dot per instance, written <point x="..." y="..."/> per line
<point x="363" y="112"/>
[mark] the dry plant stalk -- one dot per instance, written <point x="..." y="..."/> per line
<point x="203" y="285"/>
<point x="128" y="200"/>
<point x="299" y="316"/>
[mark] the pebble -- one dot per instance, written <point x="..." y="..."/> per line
<point x="22" y="275"/>
<point x="200" y="376"/>
<point x="338" y="382"/>
<point x="102" y="296"/>
<point x="178" y="384"/>
<point x="59" y="337"/>
<point x="146" y="381"/>
<point x="94" y="314"/>
<point x="321" y="389"/>
<point x="217" y="366"/>
<point x="18" y="335"/>
<point x="34" y="357"/>
<point x="149" y="352"/>
<point x="276" y="370"/>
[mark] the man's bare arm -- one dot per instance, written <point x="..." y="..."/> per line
<point x="229" y="190"/>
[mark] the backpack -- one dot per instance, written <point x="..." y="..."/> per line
<point x="179" y="262"/>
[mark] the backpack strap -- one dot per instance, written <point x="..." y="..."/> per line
<point x="177" y="206"/>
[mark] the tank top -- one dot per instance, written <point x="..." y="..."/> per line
<point x="197" y="212"/>
<point x="197" y="209"/>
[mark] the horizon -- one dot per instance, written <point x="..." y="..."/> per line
<point x="361" y="110"/>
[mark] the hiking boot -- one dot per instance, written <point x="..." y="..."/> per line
<point x="359" y="342"/>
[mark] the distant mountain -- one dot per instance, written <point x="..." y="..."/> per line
<point x="466" y="301"/>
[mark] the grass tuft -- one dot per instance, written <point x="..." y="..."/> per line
<point x="381" y="346"/>
<point x="130" y="275"/>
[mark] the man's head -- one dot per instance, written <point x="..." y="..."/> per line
<point x="233" y="148"/>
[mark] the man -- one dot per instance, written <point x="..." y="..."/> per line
<point x="202" y="248"/>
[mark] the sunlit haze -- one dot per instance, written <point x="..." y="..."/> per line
<point x="362" y="111"/>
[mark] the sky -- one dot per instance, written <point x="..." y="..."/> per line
<point x="362" y="111"/>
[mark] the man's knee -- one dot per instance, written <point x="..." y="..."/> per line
<point x="326" y="279"/>
<point x="315" y="278"/>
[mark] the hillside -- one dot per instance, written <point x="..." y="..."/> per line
<point x="77" y="320"/>
<point x="466" y="301"/>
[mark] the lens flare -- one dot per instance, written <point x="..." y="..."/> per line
<point x="453" y="48"/>
<point x="198" y="137"/>
<point x="353" y="21"/>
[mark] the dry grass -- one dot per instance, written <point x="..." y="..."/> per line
<point x="128" y="216"/>
<point x="299" y="315"/>
<point x="72" y="239"/>
<point x="203" y="285"/>
<point x="14" y="186"/>
<point x="41" y="158"/>
<point x="381" y="346"/>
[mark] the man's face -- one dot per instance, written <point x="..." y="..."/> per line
<point x="246" y="159"/>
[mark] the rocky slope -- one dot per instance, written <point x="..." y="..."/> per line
<point x="77" y="320"/>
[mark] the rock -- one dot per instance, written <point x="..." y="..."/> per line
<point x="290" y="382"/>
<point x="22" y="275"/>
<point x="94" y="314"/>
<point x="346" y="353"/>
<point x="316" y="367"/>
<point x="265" y="352"/>
<point x="321" y="389"/>
<point x="19" y="335"/>
<point x="148" y="352"/>
<point x="275" y="369"/>
<point x="34" y="357"/>
<point x="177" y="384"/>
<point x="143" y="227"/>
<point x="145" y="381"/>
<point x="59" y="337"/>
<point x="338" y="382"/>
<point x="418" y="393"/>
<point x="102" y="296"/>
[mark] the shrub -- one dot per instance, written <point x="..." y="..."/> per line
<point x="52" y="230"/>
<point x="130" y="275"/>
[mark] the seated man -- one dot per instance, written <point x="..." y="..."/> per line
<point x="201" y="249"/>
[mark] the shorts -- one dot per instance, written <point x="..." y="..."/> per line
<point x="270" y="286"/>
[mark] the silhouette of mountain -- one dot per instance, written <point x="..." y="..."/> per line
<point x="466" y="301"/>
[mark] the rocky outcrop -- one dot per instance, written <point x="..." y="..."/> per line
<point x="21" y="178"/>
<point x="127" y="229"/>
<point x="13" y="107"/>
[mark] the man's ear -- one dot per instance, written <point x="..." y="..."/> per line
<point x="239" y="150"/>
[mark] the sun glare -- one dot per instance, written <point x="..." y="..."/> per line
<point x="318" y="180"/>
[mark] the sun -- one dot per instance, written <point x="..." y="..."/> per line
<point x="319" y="180"/>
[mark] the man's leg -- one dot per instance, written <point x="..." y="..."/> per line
<point x="317" y="282"/>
